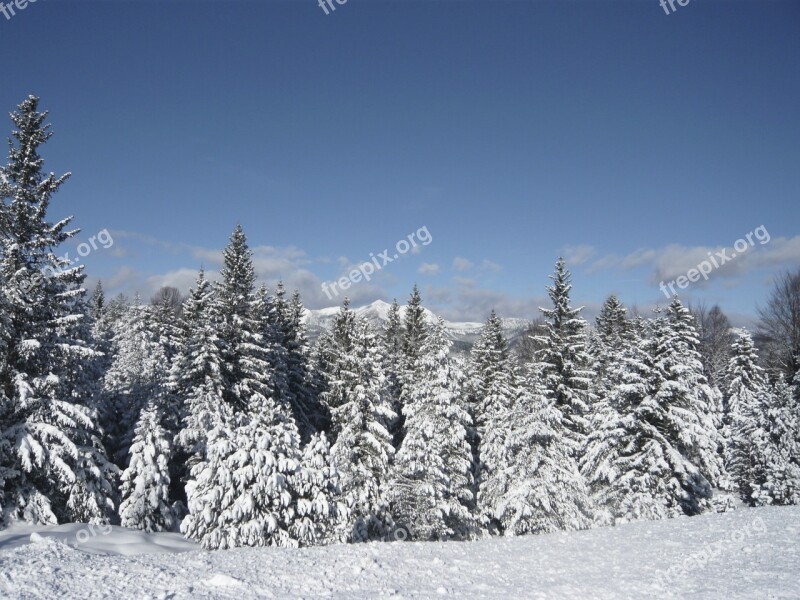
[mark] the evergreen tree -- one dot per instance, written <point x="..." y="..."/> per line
<point x="53" y="463"/>
<point x="432" y="474"/>
<point x="240" y="492"/>
<point x="356" y="397"/>
<point x="692" y="406"/>
<point x="146" y="481"/>
<point x="563" y="359"/>
<point x="631" y="463"/>
<point x="748" y="403"/>
<point x="414" y="329"/>
<point x="315" y="486"/>
<point x="782" y="451"/>
<point x="138" y="373"/>
<point x="491" y="392"/>
<point x="197" y="374"/>
<point x="535" y="485"/>
<point x="298" y="361"/>
<point x="393" y="367"/>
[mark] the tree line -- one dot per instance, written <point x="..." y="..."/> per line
<point x="214" y="415"/>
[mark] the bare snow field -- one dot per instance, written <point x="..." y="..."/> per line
<point x="749" y="553"/>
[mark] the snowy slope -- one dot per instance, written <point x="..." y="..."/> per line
<point x="751" y="553"/>
<point x="463" y="334"/>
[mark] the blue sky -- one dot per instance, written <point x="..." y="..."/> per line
<point x="630" y="141"/>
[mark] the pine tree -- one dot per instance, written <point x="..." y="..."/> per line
<point x="692" y="407"/>
<point x="315" y="487"/>
<point x="432" y="474"/>
<point x="632" y="467"/>
<point x="782" y="451"/>
<point x="54" y="465"/>
<point x="138" y="373"/>
<point x="393" y="367"/>
<point x="197" y="374"/>
<point x="748" y="404"/>
<point x="414" y="328"/>
<point x="240" y="495"/>
<point x="298" y="362"/>
<point x="237" y="327"/>
<point x="563" y="360"/>
<point x="491" y="396"/>
<point x="535" y="485"/>
<point x="146" y="482"/>
<point x="355" y="395"/>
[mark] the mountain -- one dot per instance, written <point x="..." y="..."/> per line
<point x="463" y="334"/>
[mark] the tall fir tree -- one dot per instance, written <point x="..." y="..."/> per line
<point x="692" y="406"/>
<point x="355" y="394"/>
<point x="54" y="465"/>
<point x="146" y="481"/>
<point x="491" y="395"/>
<point x="432" y="474"/>
<point x="563" y="360"/>
<point x="632" y="464"/>
<point x="393" y="367"/>
<point x="535" y="485"/>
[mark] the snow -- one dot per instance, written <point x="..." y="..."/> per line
<point x="749" y="553"/>
<point x="97" y="539"/>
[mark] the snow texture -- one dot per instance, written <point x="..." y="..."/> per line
<point x="748" y="553"/>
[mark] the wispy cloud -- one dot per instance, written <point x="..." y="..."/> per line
<point x="428" y="269"/>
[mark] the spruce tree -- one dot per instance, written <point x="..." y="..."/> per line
<point x="432" y="474"/>
<point x="748" y="405"/>
<point x="535" y="485"/>
<point x="491" y="395"/>
<point x="355" y="395"/>
<point x="197" y="374"/>
<point x="317" y="495"/>
<point x="54" y="465"/>
<point x="393" y="367"/>
<point x="692" y="406"/>
<point x="563" y="360"/>
<point x="146" y="482"/>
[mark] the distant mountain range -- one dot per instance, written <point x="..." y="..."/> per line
<point x="463" y="334"/>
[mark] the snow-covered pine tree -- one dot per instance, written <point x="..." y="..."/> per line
<point x="748" y="404"/>
<point x="197" y="374"/>
<point x="54" y="464"/>
<point x="563" y="360"/>
<point x="635" y="462"/>
<point x="782" y="456"/>
<point x="536" y="486"/>
<point x="630" y="463"/>
<point x="240" y="493"/>
<point x="414" y="332"/>
<point x="138" y="373"/>
<point x="146" y="481"/>
<point x="491" y="395"/>
<point x="298" y="363"/>
<point x="393" y="368"/>
<point x="415" y="329"/>
<point x="317" y="495"/>
<point x="432" y="473"/>
<point x="237" y="326"/>
<point x="355" y="395"/>
<point x="692" y="405"/>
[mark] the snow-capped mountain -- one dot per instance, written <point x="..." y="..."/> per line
<point x="463" y="333"/>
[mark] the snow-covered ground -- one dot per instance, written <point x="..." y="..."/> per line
<point x="751" y="553"/>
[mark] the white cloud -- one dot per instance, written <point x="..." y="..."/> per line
<point x="578" y="255"/>
<point x="461" y="264"/>
<point x="428" y="269"/>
